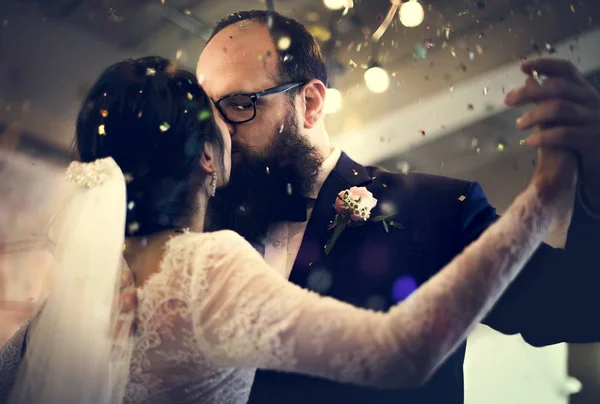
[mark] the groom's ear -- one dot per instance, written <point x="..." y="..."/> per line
<point x="313" y="97"/>
<point x="208" y="161"/>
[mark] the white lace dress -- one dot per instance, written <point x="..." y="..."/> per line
<point x="215" y="312"/>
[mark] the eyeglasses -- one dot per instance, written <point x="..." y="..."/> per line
<point x="241" y="108"/>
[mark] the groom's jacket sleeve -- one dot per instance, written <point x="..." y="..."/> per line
<point x="556" y="297"/>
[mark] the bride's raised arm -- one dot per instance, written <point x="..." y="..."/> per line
<point x="245" y="314"/>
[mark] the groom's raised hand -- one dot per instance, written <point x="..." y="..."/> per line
<point x="567" y="115"/>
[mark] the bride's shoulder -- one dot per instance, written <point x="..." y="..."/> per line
<point x="213" y="242"/>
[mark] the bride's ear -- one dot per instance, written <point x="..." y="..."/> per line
<point x="208" y="161"/>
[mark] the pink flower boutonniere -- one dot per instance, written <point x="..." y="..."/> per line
<point x="353" y="208"/>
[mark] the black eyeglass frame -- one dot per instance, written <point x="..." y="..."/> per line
<point x="254" y="97"/>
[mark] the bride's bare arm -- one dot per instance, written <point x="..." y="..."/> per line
<point x="247" y="315"/>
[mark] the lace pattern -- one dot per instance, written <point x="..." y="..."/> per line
<point x="215" y="312"/>
<point x="11" y="354"/>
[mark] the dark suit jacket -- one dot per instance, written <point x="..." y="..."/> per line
<point x="553" y="300"/>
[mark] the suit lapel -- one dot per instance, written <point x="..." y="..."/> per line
<point x="346" y="174"/>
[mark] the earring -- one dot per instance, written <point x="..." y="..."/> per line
<point x="213" y="184"/>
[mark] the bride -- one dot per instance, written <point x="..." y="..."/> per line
<point x="152" y="152"/>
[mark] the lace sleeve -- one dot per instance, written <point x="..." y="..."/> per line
<point x="245" y="315"/>
<point x="11" y="355"/>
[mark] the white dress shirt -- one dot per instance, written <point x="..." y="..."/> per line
<point x="283" y="239"/>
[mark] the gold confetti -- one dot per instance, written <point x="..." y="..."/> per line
<point x="104" y="113"/>
<point x="190" y="96"/>
<point x="165" y="127"/>
<point x="462" y="198"/>
<point x="150" y="72"/>
<point x="178" y="54"/>
<point x="133" y="227"/>
<point x="101" y="130"/>
<point x="572" y="8"/>
<point x="204" y="115"/>
<point x="500" y="147"/>
<point x="522" y="142"/>
<point x="284" y="43"/>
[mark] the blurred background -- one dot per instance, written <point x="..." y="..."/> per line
<point x="423" y="98"/>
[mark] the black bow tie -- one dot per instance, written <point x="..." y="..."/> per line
<point x="292" y="208"/>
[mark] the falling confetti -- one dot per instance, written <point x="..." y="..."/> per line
<point x="462" y="198"/>
<point x="165" y="127"/>
<point x="204" y="115"/>
<point x="289" y="189"/>
<point x="500" y="147"/>
<point x="537" y="77"/>
<point x="420" y="52"/>
<point x="150" y="72"/>
<point x="403" y="167"/>
<point x="101" y="130"/>
<point x="133" y="227"/>
<point x="103" y="113"/>
<point x="284" y="43"/>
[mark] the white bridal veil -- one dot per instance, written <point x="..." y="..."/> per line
<point x="73" y="354"/>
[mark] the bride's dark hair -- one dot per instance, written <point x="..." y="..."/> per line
<point x="153" y="119"/>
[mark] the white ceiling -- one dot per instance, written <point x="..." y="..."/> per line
<point x="50" y="54"/>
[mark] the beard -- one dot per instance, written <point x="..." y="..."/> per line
<point x="261" y="182"/>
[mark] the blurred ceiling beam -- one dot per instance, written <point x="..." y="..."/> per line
<point x="447" y="112"/>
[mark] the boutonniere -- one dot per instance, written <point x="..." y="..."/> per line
<point x="353" y="208"/>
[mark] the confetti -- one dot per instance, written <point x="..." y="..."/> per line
<point x="150" y="72"/>
<point x="131" y="205"/>
<point x="289" y="189"/>
<point x="354" y="172"/>
<point x="133" y="227"/>
<point x="403" y="167"/>
<point x="178" y="54"/>
<point x="500" y="147"/>
<point x="284" y="43"/>
<point x="462" y="198"/>
<point x="268" y="170"/>
<point x="165" y="127"/>
<point x="420" y="52"/>
<point x="101" y="130"/>
<point x="103" y="113"/>
<point x="190" y="96"/>
<point x="204" y="115"/>
<point x="537" y="77"/>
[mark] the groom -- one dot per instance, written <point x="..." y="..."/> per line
<point x="286" y="176"/>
